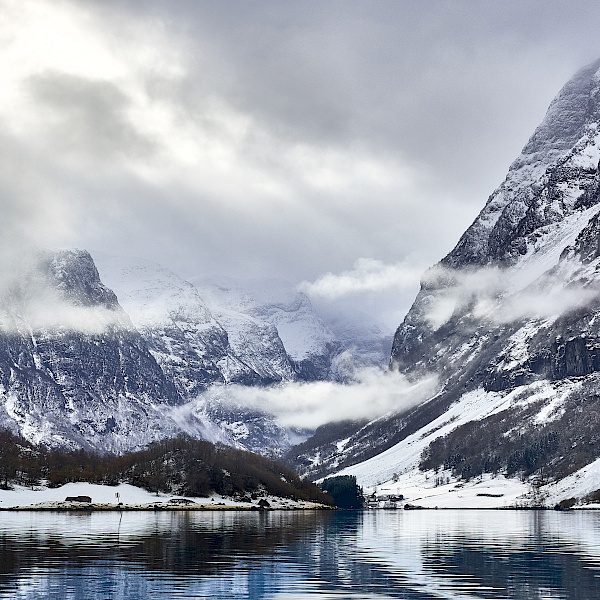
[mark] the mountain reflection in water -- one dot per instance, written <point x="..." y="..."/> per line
<point x="296" y="555"/>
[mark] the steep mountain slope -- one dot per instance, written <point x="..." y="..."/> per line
<point x="191" y="346"/>
<point x="516" y="302"/>
<point x="73" y="370"/>
<point x="509" y="323"/>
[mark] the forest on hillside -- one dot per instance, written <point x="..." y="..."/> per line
<point x="182" y="466"/>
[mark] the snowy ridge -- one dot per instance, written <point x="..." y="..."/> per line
<point x="74" y="372"/>
<point x="566" y="143"/>
<point x="168" y="311"/>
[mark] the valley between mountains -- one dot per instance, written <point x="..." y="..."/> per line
<point x="496" y="367"/>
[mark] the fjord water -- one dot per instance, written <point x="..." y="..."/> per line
<point x="296" y="555"/>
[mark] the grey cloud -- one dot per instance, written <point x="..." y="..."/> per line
<point x="309" y="405"/>
<point x="395" y="75"/>
<point x="499" y="296"/>
<point x="87" y="116"/>
<point x="440" y="96"/>
<point x="33" y="216"/>
<point x="455" y="88"/>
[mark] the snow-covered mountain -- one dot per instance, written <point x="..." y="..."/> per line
<point x="74" y="371"/>
<point x="191" y="345"/>
<point x="113" y="353"/>
<point x="509" y="322"/>
<point x="219" y="330"/>
<point x="242" y="306"/>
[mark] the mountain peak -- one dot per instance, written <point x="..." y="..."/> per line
<point x="555" y="175"/>
<point x="574" y="108"/>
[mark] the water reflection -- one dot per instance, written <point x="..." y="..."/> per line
<point x="297" y="555"/>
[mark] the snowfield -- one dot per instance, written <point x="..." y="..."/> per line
<point x="130" y="497"/>
<point x="396" y="470"/>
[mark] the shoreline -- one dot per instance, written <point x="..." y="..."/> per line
<point x="157" y="507"/>
<point x="90" y="497"/>
<point x="253" y="508"/>
<point x="166" y="507"/>
<point x="87" y="498"/>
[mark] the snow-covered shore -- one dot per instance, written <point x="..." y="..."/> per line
<point x="427" y="489"/>
<point x="128" y="497"/>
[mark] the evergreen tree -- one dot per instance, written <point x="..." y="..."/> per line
<point x="344" y="491"/>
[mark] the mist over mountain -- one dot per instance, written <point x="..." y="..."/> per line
<point x="495" y="369"/>
<point x="508" y="321"/>
<point x="112" y="353"/>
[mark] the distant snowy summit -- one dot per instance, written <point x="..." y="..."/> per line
<point x="253" y="332"/>
<point x="509" y="322"/>
<point x="113" y="353"/>
<point x="309" y="344"/>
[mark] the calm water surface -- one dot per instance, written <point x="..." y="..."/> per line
<point x="298" y="555"/>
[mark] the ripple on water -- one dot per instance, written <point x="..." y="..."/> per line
<point x="414" y="555"/>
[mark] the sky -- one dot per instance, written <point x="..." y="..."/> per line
<point x="343" y="145"/>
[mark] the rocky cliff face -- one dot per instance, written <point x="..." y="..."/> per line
<point x="509" y="321"/>
<point x="73" y="369"/>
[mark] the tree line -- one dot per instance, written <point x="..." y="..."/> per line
<point x="514" y="442"/>
<point x="182" y="466"/>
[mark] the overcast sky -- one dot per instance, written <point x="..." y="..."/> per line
<point x="344" y="144"/>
